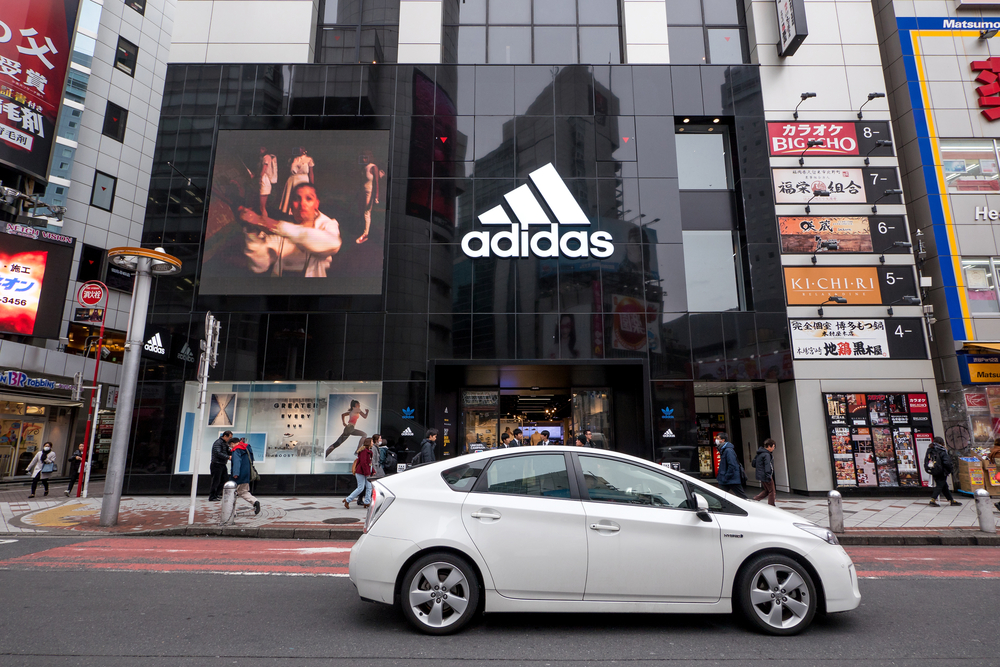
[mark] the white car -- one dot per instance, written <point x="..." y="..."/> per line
<point x="565" y="529"/>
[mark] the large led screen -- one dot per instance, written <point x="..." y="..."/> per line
<point x="296" y="212"/>
<point x="34" y="274"/>
<point x="35" y="39"/>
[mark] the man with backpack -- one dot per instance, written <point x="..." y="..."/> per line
<point x="938" y="464"/>
<point x="764" y="464"/>
<point x="427" y="447"/>
<point x="731" y="475"/>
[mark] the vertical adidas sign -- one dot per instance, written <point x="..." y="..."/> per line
<point x="155" y="345"/>
<point x="517" y="241"/>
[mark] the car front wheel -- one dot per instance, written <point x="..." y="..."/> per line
<point x="440" y="593"/>
<point x="776" y="595"/>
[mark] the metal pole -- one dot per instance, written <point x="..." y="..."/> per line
<point x="93" y="408"/>
<point x="836" y="508"/>
<point x="227" y="509"/>
<point x="196" y="454"/>
<point x="126" y="396"/>
<point x="986" y="522"/>
<point x="89" y="451"/>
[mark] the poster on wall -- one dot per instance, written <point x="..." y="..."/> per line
<point x="296" y="212"/>
<point x="878" y="439"/>
<point x="35" y="39"/>
<point x="351" y="418"/>
<point x="222" y="410"/>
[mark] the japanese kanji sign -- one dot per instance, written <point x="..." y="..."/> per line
<point x="808" y="234"/>
<point x="34" y="274"/>
<point x="846" y="186"/>
<point x="815" y="338"/>
<point x="35" y="41"/>
<point x="838" y="137"/>
<point x="792" y="28"/>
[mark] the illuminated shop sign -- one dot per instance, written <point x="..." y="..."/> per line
<point x="33" y="279"/>
<point x="20" y="380"/>
<point x="839" y="138"/>
<point x="517" y="240"/>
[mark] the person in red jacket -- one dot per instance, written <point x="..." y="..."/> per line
<point x="362" y="469"/>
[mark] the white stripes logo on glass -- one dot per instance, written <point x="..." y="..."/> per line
<point x="517" y="240"/>
<point x="155" y="345"/>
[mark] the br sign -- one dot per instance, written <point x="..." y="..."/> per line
<point x="90" y="294"/>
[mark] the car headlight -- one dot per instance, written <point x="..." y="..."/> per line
<point x="381" y="499"/>
<point x="822" y="533"/>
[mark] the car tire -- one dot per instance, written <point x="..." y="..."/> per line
<point x="776" y="595"/>
<point x="439" y="594"/>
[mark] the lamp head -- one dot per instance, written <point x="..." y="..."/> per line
<point x="806" y="96"/>
<point x="872" y="96"/>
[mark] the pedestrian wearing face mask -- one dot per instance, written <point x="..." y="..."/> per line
<point x="41" y="468"/>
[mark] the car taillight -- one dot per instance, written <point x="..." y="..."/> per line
<point x="381" y="499"/>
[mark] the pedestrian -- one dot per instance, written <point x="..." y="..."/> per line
<point x="504" y="440"/>
<point x="518" y="440"/>
<point x="581" y="440"/>
<point x="362" y="469"/>
<point x="938" y="463"/>
<point x="221" y="453"/>
<point x="764" y="463"/>
<point x="544" y="442"/>
<point x="242" y="458"/>
<point x="994" y="456"/>
<point x="41" y="468"/>
<point x="731" y="475"/>
<point x="74" y="467"/>
<point x="427" y="447"/>
<point x="378" y="456"/>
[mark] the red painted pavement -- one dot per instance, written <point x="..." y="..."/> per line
<point x="927" y="562"/>
<point x="157" y="554"/>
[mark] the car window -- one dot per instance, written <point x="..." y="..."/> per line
<point x="611" y="481"/>
<point x="533" y="475"/>
<point x="463" y="477"/>
<point x="715" y="503"/>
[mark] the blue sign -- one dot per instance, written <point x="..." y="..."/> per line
<point x="979" y="369"/>
<point x="408" y="413"/>
<point x="667" y="413"/>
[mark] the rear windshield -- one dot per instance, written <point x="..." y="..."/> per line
<point x="463" y="477"/>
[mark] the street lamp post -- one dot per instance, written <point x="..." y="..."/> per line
<point x="145" y="263"/>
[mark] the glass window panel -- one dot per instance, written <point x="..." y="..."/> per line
<point x="471" y="49"/>
<point x="555" y="45"/>
<point x="344" y="12"/>
<point x="509" y="46"/>
<point x="722" y="12"/>
<point x="710" y="271"/>
<point x="599" y="12"/>
<point x="537" y="475"/>
<point x="683" y="12"/>
<point x="702" y="161"/>
<point x="600" y="45"/>
<point x="472" y="11"/>
<point x="970" y="165"/>
<point x="725" y="46"/>
<point x="516" y="12"/>
<point x="559" y="12"/>
<point x="377" y="12"/>
<point x="126" y="56"/>
<point x="687" y="45"/>
<point x="980" y="286"/>
<point x="90" y="16"/>
<point x="613" y="481"/>
<point x="103" y="193"/>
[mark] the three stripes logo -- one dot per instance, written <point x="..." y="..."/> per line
<point x="516" y="240"/>
<point x="155" y="345"/>
<point x="186" y="354"/>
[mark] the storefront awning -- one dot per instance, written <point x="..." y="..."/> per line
<point x="987" y="346"/>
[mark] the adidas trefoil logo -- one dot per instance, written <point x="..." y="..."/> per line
<point x="155" y="345"/>
<point x="516" y="240"/>
<point x="186" y="354"/>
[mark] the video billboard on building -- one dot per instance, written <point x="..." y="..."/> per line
<point x="35" y="48"/>
<point x="296" y="212"/>
<point x="34" y="275"/>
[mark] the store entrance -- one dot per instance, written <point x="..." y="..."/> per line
<point x="564" y="400"/>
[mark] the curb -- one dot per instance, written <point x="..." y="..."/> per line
<point x="963" y="538"/>
<point x="351" y="534"/>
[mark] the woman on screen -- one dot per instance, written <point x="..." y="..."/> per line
<point x="350" y="420"/>
<point x="301" y="172"/>
<point x="303" y="248"/>
<point x="369" y="194"/>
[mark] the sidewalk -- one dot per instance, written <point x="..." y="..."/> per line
<point x="882" y="521"/>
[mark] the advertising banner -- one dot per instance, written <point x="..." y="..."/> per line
<point x="838" y="137"/>
<point x="34" y="275"/>
<point x="895" y="338"/>
<point x="979" y="369"/>
<point x="35" y="40"/>
<point x="846" y="186"/>
<point x="792" y="26"/>
<point x="809" y="234"/>
<point x="296" y="212"/>
<point x="812" y="285"/>
<point x="629" y="329"/>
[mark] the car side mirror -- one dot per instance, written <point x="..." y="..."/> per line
<point x="702" y="506"/>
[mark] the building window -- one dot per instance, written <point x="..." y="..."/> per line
<point x="103" y="194"/>
<point x="970" y="165"/>
<point x="707" y="32"/>
<point x="137" y="5"/>
<point x="980" y="284"/>
<point x="91" y="263"/>
<point x="555" y="32"/>
<point x="114" y="121"/>
<point x="703" y="161"/>
<point x="358" y="31"/>
<point x="125" y="56"/>
<point x="710" y="269"/>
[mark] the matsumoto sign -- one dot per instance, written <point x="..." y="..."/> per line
<point x="515" y="239"/>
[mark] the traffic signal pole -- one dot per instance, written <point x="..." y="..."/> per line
<point x="91" y="408"/>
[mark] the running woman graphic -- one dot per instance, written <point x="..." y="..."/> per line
<point x="350" y="420"/>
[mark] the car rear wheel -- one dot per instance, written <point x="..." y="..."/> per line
<point x="440" y="593"/>
<point x="776" y="595"/>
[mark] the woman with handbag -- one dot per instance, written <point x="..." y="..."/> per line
<point x="42" y="467"/>
<point x="362" y="470"/>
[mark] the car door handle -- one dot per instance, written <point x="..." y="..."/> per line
<point x="605" y="526"/>
<point x="485" y="515"/>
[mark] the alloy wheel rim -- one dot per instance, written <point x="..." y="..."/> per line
<point x="439" y="594"/>
<point x="780" y="596"/>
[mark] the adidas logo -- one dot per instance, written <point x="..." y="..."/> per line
<point x="516" y="241"/>
<point x="155" y="345"/>
<point x="668" y="434"/>
<point x="407" y="432"/>
<point x="186" y="354"/>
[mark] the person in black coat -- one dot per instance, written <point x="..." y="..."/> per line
<point x="220" y="457"/>
<point x="730" y="476"/>
<point x="427" y="448"/>
<point x="764" y="464"/>
<point x="939" y="464"/>
<point x="75" y="459"/>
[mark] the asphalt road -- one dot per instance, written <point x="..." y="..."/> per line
<point x="113" y="602"/>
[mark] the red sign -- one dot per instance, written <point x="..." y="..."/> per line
<point x="918" y="403"/>
<point x="976" y="402"/>
<point x="35" y="40"/>
<point x="989" y="92"/>
<point x="21" y="277"/>
<point x="793" y="138"/>
<point x="90" y="294"/>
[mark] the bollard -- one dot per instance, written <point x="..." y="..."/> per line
<point x="227" y="509"/>
<point x="985" y="512"/>
<point x="836" y="508"/>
